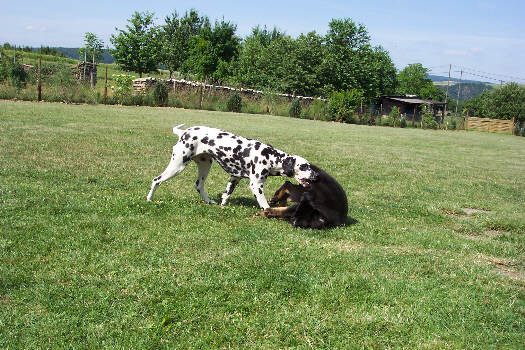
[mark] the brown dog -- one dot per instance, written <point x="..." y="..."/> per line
<point x="321" y="203"/>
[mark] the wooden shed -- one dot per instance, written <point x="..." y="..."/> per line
<point x="409" y="105"/>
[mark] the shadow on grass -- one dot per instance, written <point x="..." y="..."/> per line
<point x="243" y="201"/>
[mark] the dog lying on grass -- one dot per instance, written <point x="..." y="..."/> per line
<point x="319" y="203"/>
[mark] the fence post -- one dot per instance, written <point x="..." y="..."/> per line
<point x="106" y="85"/>
<point x="40" y="79"/>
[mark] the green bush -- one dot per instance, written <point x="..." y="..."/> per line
<point x="429" y="122"/>
<point x="453" y="124"/>
<point x="3" y="70"/>
<point x="17" y="75"/>
<point x="403" y="122"/>
<point x="517" y="129"/>
<point x="159" y="94"/>
<point x="393" y="116"/>
<point x="295" y="109"/>
<point x="122" y="88"/>
<point x="234" y="103"/>
<point x="365" y="118"/>
<point x="343" y="104"/>
<point x="523" y="131"/>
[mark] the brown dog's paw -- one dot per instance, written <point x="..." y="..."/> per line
<point x="261" y="214"/>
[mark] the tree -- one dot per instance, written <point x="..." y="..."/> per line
<point x="477" y="106"/>
<point x="413" y="81"/>
<point x="137" y="49"/>
<point x="177" y="34"/>
<point x="212" y="51"/>
<point x="93" y="47"/>
<point x="507" y="102"/>
<point x="347" y="45"/>
<point x="350" y="62"/>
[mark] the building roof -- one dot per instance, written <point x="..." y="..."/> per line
<point x="413" y="100"/>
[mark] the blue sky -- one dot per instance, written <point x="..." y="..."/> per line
<point x="486" y="38"/>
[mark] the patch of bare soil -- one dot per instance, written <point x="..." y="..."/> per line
<point x="465" y="212"/>
<point x="508" y="268"/>
<point x="485" y="236"/>
<point x="472" y="211"/>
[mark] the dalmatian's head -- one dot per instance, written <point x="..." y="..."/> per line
<point x="300" y="169"/>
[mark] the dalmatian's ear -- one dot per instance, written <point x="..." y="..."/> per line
<point x="288" y="166"/>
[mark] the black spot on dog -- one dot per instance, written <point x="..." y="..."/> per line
<point x="194" y="138"/>
<point x="211" y="143"/>
<point x="237" y="149"/>
<point x="257" y="145"/>
<point x="239" y="142"/>
<point x="246" y="152"/>
<point x="205" y="140"/>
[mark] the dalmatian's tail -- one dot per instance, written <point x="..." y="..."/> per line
<point x="177" y="131"/>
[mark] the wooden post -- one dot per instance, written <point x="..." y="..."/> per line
<point x="40" y="79"/>
<point x="201" y="96"/>
<point x="106" y="85"/>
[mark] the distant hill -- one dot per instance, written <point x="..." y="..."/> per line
<point x="439" y="79"/>
<point x="469" y="88"/>
<point x="72" y="52"/>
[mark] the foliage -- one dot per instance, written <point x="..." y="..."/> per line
<point x="4" y="70"/>
<point x="17" y="76"/>
<point x="403" y="122"/>
<point x="234" y="103"/>
<point x="508" y="102"/>
<point x="93" y="48"/>
<point x="428" y="121"/>
<point x="212" y="48"/>
<point x="52" y="51"/>
<point x="159" y="93"/>
<point x="343" y="104"/>
<point x="478" y="106"/>
<point x="413" y="81"/>
<point x="393" y="116"/>
<point x="350" y="62"/>
<point x="137" y="48"/>
<point x="177" y="35"/>
<point x="123" y="86"/>
<point x="295" y="109"/>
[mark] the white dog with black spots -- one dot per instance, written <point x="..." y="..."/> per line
<point x="238" y="156"/>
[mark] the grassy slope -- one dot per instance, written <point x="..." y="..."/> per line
<point x="86" y="262"/>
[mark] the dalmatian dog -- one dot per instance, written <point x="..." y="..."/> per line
<point x="238" y="156"/>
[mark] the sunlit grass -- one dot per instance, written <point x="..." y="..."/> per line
<point x="86" y="262"/>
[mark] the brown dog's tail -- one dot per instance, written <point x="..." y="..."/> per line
<point x="177" y="130"/>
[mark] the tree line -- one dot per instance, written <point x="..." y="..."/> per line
<point x="311" y="64"/>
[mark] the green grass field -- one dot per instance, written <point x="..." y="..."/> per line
<point x="86" y="262"/>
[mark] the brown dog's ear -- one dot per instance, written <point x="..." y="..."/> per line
<point x="288" y="166"/>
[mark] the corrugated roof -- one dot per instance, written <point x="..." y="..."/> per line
<point x="413" y="100"/>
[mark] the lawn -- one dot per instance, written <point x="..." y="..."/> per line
<point x="86" y="262"/>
